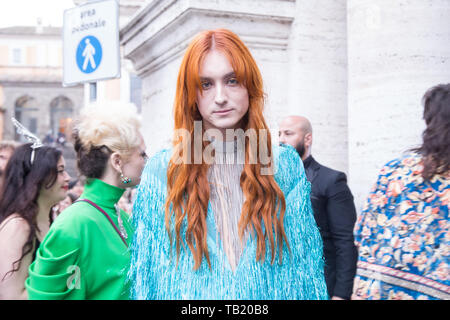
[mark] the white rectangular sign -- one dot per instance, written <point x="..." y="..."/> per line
<point x="91" y="42"/>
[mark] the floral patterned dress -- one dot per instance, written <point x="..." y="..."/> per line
<point x="403" y="235"/>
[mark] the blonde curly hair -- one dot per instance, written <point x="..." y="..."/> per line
<point x="112" y="124"/>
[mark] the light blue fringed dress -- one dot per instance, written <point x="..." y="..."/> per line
<point x="154" y="273"/>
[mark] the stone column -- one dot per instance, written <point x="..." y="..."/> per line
<point x="317" y="84"/>
<point x="397" y="50"/>
<point x="157" y="37"/>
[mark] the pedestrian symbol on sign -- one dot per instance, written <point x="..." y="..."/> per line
<point x="89" y="54"/>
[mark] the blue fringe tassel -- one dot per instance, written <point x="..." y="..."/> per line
<point x="153" y="272"/>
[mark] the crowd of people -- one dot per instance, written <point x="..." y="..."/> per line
<point x="277" y="225"/>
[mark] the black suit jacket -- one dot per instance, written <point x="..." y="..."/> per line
<point x="335" y="215"/>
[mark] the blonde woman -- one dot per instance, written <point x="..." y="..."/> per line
<point x="85" y="254"/>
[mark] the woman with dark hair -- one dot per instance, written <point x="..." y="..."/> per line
<point x="435" y="149"/>
<point x="31" y="187"/>
<point x="85" y="254"/>
<point x="403" y="231"/>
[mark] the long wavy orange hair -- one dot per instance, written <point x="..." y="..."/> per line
<point x="188" y="187"/>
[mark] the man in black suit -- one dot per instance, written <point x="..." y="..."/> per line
<point x="333" y="206"/>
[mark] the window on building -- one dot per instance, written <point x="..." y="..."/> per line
<point x="26" y="111"/>
<point x="17" y="57"/>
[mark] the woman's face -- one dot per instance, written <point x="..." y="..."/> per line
<point x="58" y="191"/>
<point x="133" y="167"/>
<point x="223" y="101"/>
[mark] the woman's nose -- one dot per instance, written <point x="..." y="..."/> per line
<point x="220" y="97"/>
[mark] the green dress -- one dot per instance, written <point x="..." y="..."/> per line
<point x="82" y="256"/>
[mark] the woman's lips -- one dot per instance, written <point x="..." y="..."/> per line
<point x="65" y="187"/>
<point x="223" y="111"/>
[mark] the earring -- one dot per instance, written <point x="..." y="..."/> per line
<point x="124" y="179"/>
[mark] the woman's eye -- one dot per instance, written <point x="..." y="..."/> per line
<point x="233" y="81"/>
<point x="206" y="85"/>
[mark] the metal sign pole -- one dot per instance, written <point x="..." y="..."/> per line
<point x="92" y="91"/>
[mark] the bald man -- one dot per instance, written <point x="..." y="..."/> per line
<point x="333" y="206"/>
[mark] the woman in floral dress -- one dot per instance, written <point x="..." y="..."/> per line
<point x="403" y="231"/>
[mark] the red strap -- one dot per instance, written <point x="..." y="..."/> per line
<point x="107" y="216"/>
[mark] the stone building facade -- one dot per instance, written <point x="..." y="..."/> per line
<point x="357" y="69"/>
<point x="31" y="81"/>
<point x="31" y="86"/>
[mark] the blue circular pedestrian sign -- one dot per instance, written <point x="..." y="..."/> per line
<point x="89" y="54"/>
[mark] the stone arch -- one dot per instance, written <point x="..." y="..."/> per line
<point x="61" y="114"/>
<point x="26" y="111"/>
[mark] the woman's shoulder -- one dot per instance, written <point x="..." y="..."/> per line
<point x="156" y="165"/>
<point x="288" y="167"/>
<point x="406" y="160"/>
<point x="14" y="226"/>
<point x="73" y="222"/>
<point x="160" y="158"/>
<point x="65" y="230"/>
<point x="77" y="214"/>
<point x="286" y="152"/>
<point x="14" y="231"/>
<point x="406" y="172"/>
<point x="405" y="167"/>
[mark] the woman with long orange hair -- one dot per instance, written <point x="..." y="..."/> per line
<point x="224" y="214"/>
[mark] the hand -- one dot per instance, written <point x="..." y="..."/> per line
<point x="337" y="298"/>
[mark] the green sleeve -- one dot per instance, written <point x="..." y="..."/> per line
<point x="55" y="273"/>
